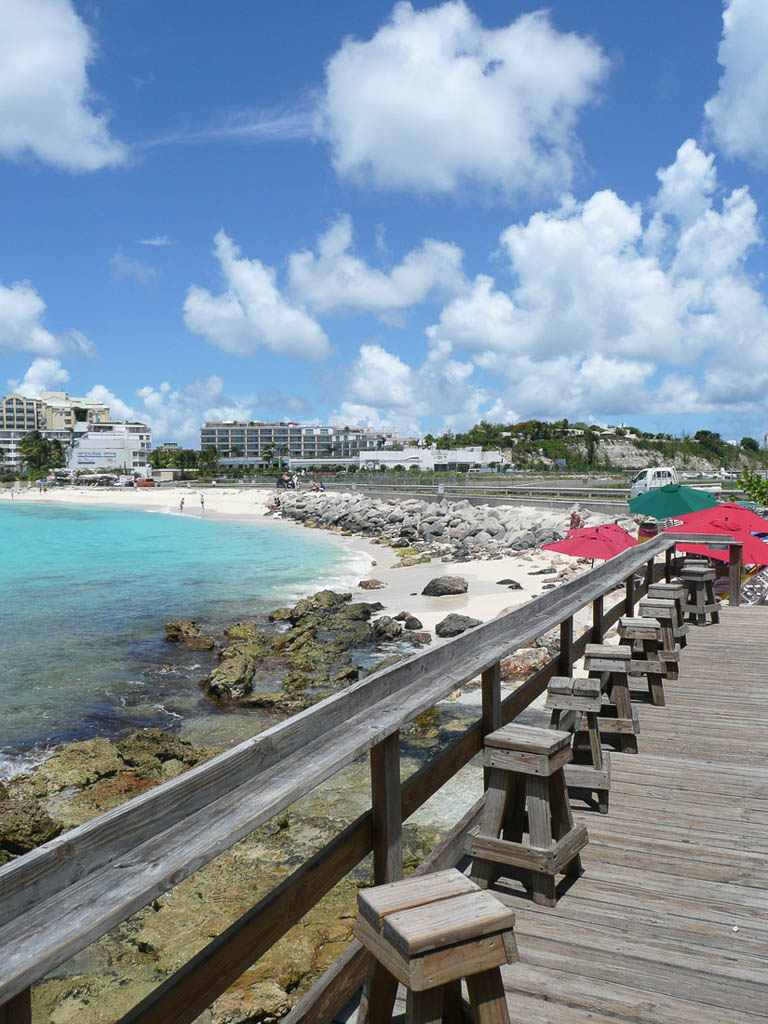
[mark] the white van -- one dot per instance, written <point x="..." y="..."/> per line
<point x="656" y="476"/>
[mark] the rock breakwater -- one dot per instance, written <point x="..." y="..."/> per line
<point x="452" y="530"/>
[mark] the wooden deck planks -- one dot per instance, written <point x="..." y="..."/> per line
<point x="646" y="935"/>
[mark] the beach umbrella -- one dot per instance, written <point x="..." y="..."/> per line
<point x="594" y="542"/>
<point x="754" y="551"/>
<point x="729" y="512"/>
<point x="671" y="502"/>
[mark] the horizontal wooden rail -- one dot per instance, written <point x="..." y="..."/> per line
<point x="58" y="899"/>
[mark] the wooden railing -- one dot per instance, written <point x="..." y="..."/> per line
<point x="64" y="895"/>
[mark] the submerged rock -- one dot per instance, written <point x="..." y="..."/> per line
<point x="187" y="632"/>
<point x="443" y="586"/>
<point x="387" y="628"/>
<point x="454" y="624"/>
<point x="232" y="680"/>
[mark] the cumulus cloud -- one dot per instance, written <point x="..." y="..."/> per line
<point x="46" y="105"/>
<point x="251" y="313"/>
<point x="42" y="375"/>
<point x="334" y="278"/>
<point x="738" y="112"/>
<point x="21" y="315"/>
<point x="616" y="309"/>
<point x="434" y="99"/>
<point x="128" y="266"/>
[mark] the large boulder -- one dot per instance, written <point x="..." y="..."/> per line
<point x="232" y="680"/>
<point x="442" y="586"/>
<point x="24" y="824"/>
<point x="454" y="624"/>
<point x="387" y="628"/>
<point x="187" y="632"/>
<point x="148" y="750"/>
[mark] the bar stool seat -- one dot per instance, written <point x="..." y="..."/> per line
<point x="665" y="613"/>
<point x="427" y="933"/>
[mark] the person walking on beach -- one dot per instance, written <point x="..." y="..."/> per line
<point x="181" y="505"/>
<point x="202" y="502"/>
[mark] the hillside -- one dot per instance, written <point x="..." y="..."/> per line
<point x="539" y="445"/>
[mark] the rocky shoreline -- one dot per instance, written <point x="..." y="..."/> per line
<point x="453" y="531"/>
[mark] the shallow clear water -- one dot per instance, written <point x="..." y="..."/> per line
<point x="87" y="592"/>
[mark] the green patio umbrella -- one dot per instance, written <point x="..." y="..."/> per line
<point x="671" y="501"/>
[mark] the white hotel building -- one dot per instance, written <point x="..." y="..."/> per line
<point x="244" y="443"/>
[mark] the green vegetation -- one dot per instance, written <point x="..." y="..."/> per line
<point x="39" y="454"/>
<point x="755" y="487"/>
<point x="578" y="447"/>
<point x="183" y="459"/>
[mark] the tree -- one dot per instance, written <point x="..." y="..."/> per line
<point x="755" y="487"/>
<point x="39" y="454"/>
<point x="750" y="444"/>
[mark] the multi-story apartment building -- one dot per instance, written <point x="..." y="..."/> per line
<point x="258" y="440"/>
<point x="84" y="428"/>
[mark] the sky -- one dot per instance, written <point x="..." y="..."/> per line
<point x="407" y="216"/>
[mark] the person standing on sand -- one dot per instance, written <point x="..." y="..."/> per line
<point x="202" y="502"/>
<point x="181" y="505"/>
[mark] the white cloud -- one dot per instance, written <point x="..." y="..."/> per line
<point x="128" y="266"/>
<point x="158" y="240"/>
<point x="434" y="99"/>
<point x="21" y="328"/>
<point x="42" y="375"/>
<point x="45" y="98"/>
<point x="118" y="409"/>
<point x="612" y="312"/>
<point x="251" y="313"/>
<point x="738" y="112"/>
<point x="380" y="378"/>
<point x="335" y="279"/>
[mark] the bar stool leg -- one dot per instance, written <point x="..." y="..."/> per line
<point x="712" y="600"/>
<point x="593" y="730"/>
<point x="540" y="828"/>
<point x="562" y="819"/>
<point x="453" y="1007"/>
<point x="378" y="999"/>
<point x="425" y="1007"/>
<point x="621" y="698"/>
<point x="486" y="997"/>
<point x="484" y="872"/>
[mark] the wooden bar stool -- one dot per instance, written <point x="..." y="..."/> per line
<point x="618" y="717"/>
<point x="527" y="774"/>
<point x="672" y="592"/>
<point x="429" y="932"/>
<point x="665" y="614"/>
<point x="643" y="638"/>
<point x="591" y="766"/>
<point x="700" y="603"/>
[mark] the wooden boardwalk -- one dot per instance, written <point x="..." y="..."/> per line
<point x="669" y="923"/>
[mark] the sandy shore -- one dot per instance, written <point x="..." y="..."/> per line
<point x="485" y="598"/>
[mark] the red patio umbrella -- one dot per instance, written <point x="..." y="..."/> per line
<point x="594" y="542"/>
<point x="729" y="512"/>
<point x="754" y="551"/>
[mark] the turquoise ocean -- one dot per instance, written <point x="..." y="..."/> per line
<point x="87" y="591"/>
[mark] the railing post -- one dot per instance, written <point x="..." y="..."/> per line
<point x="629" y="602"/>
<point x="17" y="1010"/>
<point x="565" y="661"/>
<point x="669" y="554"/>
<point x="735" y="553"/>
<point x="491" y="680"/>
<point x="597" y="620"/>
<point x="648" y="574"/>
<point x="387" y="813"/>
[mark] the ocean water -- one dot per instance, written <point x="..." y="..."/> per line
<point x="86" y="593"/>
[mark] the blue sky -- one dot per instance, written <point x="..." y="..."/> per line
<point x="412" y="215"/>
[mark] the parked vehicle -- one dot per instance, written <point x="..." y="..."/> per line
<point x="654" y="476"/>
